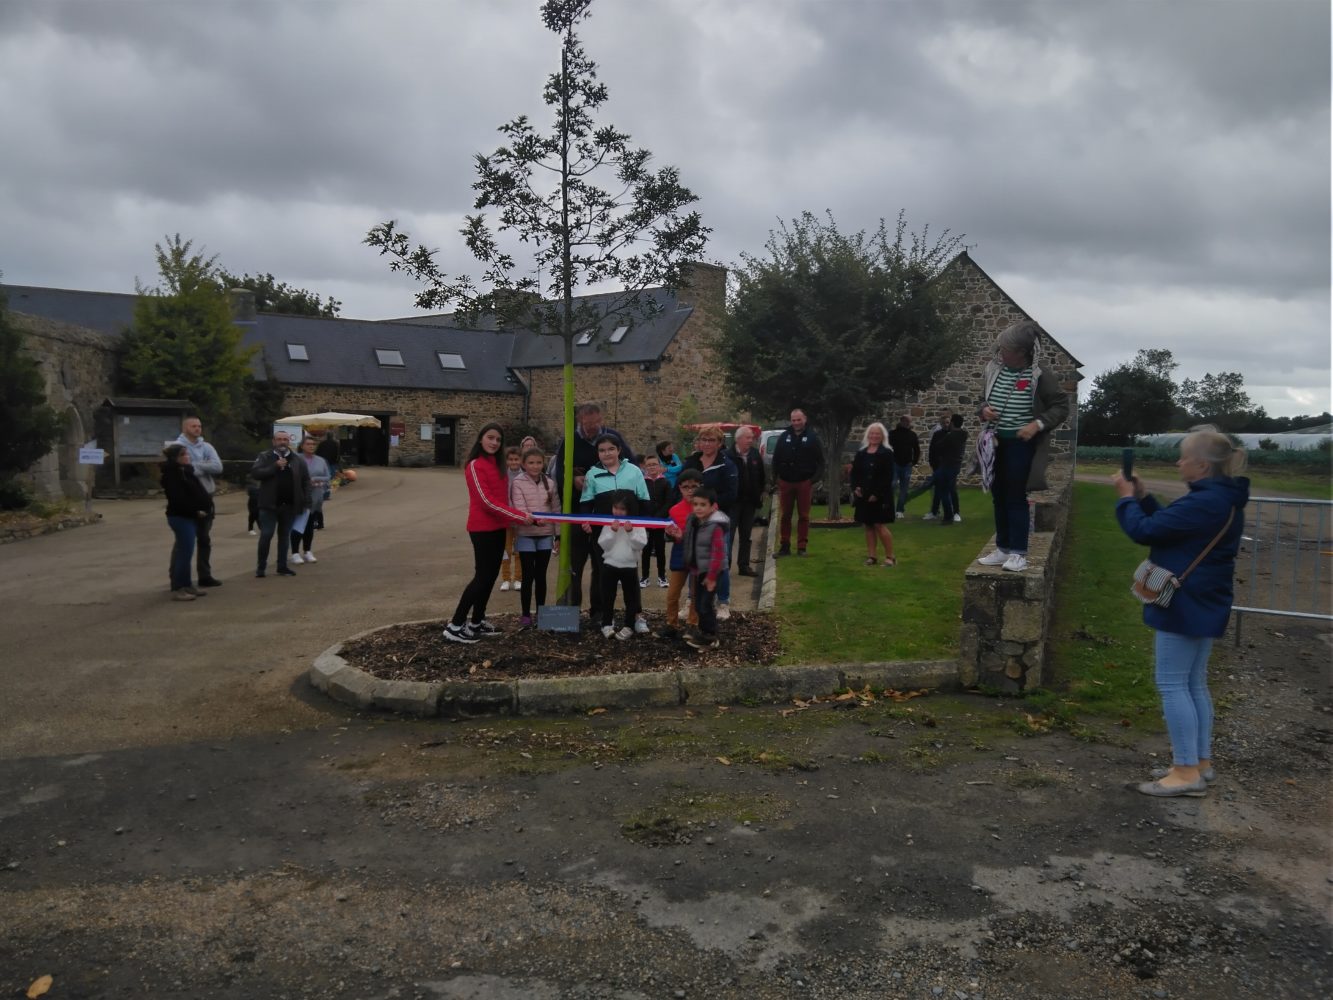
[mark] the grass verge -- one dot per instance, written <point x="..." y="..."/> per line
<point x="1262" y="481"/>
<point x="833" y="608"/>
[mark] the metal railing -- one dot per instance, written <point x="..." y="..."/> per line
<point x="1285" y="564"/>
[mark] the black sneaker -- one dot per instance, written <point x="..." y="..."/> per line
<point x="259" y="574"/>
<point x="701" y="640"/>
<point x="210" y="582"/>
<point x="284" y="571"/>
<point x="784" y="551"/>
<point x="483" y="628"/>
<point x="458" y="633"/>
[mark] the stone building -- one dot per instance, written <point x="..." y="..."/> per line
<point x="433" y="385"/>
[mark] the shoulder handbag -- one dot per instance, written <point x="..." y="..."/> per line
<point x="1157" y="585"/>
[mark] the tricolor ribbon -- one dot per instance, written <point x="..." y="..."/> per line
<point x="603" y="519"/>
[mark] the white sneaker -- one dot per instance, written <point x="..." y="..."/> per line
<point x="640" y="626"/>
<point x="643" y="584"/>
<point x="958" y="519"/>
<point x="929" y="517"/>
<point x="310" y="557"/>
<point x="504" y="585"/>
<point x="996" y="558"/>
<point x="608" y="631"/>
<point x="624" y="633"/>
<point x="295" y="557"/>
<point x="662" y="582"/>
<point x="723" y="612"/>
<point x="252" y="531"/>
<point x="1016" y="563"/>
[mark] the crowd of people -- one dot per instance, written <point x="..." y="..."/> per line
<point x="628" y="508"/>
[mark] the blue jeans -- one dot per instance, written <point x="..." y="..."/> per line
<point x="182" y="553"/>
<point x="1009" y="494"/>
<point x="902" y="482"/>
<point x="946" y="489"/>
<point x="277" y="522"/>
<point x="1182" y="681"/>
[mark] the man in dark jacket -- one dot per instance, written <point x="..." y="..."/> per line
<point x="952" y="444"/>
<point x="284" y="491"/>
<point x="750" y="494"/>
<point x="906" y="455"/>
<point x="798" y="460"/>
<point x="933" y="458"/>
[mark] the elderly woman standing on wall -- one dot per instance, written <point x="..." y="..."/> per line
<point x="1195" y="539"/>
<point x="1023" y="404"/>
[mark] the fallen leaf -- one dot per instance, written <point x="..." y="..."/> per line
<point x="1291" y="781"/>
<point x="486" y="664"/>
<point x="39" y="987"/>
<point x="724" y="760"/>
<point x="1126" y="723"/>
<point x="846" y="696"/>
<point x="596" y="711"/>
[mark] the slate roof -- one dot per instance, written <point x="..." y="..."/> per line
<point x="646" y="339"/>
<point x="342" y="352"/>
<point x="105" y="312"/>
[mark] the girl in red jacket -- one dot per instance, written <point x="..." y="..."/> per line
<point x="488" y="515"/>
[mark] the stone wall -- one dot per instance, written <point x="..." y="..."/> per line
<point x="78" y="367"/>
<point x="1007" y="616"/>
<point x="649" y="405"/>
<point x="414" y="407"/>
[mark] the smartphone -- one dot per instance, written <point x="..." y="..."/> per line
<point x="1127" y="463"/>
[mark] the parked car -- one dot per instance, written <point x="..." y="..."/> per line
<point x="767" y="440"/>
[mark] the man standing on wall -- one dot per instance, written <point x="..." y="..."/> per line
<point x="587" y="428"/>
<point x="798" y="461"/>
<point x="206" y="464"/>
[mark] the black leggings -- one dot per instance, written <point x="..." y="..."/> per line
<point x="656" y="547"/>
<point x="304" y="537"/>
<point x="488" y="550"/>
<point x="534" y="575"/>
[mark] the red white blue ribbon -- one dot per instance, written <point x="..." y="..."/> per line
<point x="603" y="519"/>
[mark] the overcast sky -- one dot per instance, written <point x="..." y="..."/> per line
<point x="1134" y="173"/>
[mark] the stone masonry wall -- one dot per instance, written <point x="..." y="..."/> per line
<point x="1006" y="616"/>
<point x="77" y="367"/>
<point x="414" y="407"/>
<point x="648" y="406"/>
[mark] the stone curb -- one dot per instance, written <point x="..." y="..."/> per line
<point x="350" y="685"/>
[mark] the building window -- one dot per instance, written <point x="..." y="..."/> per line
<point x="619" y="335"/>
<point x="452" y="362"/>
<point x="297" y="352"/>
<point x="389" y="359"/>
<point x="584" y="339"/>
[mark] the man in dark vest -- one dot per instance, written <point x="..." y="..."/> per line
<point x="798" y="461"/>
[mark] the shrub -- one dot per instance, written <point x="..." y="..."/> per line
<point x="15" y="494"/>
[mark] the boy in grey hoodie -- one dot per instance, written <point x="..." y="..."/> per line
<point x="705" y="558"/>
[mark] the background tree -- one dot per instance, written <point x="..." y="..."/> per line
<point x="1136" y="398"/>
<point x="1219" y="399"/>
<point x="29" y="427"/>
<point x="276" y="296"/>
<point x="839" y="324"/>
<point x="183" y="344"/>
<point x="573" y="232"/>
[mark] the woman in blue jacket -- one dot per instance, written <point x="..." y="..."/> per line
<point x="1185" y="630"/>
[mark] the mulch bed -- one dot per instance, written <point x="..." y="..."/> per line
<point x="421" y="653"/>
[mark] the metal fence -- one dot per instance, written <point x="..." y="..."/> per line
<point x="1285" y="565"/>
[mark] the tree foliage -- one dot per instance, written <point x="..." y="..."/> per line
<point x="276" y="296"/>
<point x="1136" y="398"/>
<point x="1219" y="399"/>
<point x="838" y="324"/>
<point x="29" y="427"/>
<point x="580" y="205"/>
<point x="183" y="344"/>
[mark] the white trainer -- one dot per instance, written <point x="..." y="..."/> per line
<point x="1016" y="563"/>
<point x="997" y="558"/>
<point x="295" y="558"/>
<point x="625" y="633"/>
<point x="608" y="631"/>
<point x="929" y="517"/>
<point x="504" y="584"/>
<point x="310" y="557"/>
<point x="723" y="612"/>
<point x="640" y="626"/>
<point x="958" y="519"/>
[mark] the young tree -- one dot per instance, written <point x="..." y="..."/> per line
<point x="183" y="344"/>
<point x="1136" y="398"/>
<point x="276" y="296"/>
<point x="544" y="190"/>
<point x="29" y="427"/>
<point x="839" y="324"/>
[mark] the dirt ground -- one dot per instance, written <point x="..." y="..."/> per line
<point x="842" y="849"/>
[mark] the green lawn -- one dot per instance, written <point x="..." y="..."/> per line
<point x="831" y="608"/>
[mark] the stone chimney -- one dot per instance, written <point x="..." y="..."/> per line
<point x="242" y="302"/>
